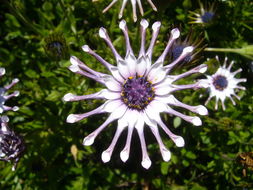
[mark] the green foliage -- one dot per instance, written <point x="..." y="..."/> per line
<point x="208" y="160"/>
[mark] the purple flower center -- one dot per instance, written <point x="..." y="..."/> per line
<point x="137" y="92"/>
<point x="56" y="47"/>
<point x="207" y="17"/>
<point x="220" y="82"/>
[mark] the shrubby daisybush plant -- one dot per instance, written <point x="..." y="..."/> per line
<point x="137" y="91"/>
<point x="223" y="84"/>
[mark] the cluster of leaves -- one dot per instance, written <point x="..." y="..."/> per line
<point x="55" y="157"/>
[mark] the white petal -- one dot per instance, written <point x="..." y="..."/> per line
<point x="179" y="141"/>
<point x="111" y="105"/>
<point x="162" y="90"/>
<point x="202" y="110"/>
<point x="141" y="66"/>
<point x="196" y="121"/>
<point x="157" y="73"/>
<point x="175" y="33"/>
<point x="123" y="69"/>
<point x="166" y="155"/>
<point x="124" y="155"/>
<point x="112" y="84"/>
<point x="116" y="74"/>
<point x="131" y="63"/>
<point x="106" y="156"/>
<point x="146" y="163"/>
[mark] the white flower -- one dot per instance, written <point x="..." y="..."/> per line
<point x="222" y="84"/>
<point x="137" y="91"/>
<point x="133" y="2"/>
<point x="4" y="97"/>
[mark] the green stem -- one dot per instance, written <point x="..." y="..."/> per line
<point x="232" y="50"/>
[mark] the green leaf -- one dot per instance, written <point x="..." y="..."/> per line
<point x="177" y="122"/>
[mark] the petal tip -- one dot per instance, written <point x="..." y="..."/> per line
<point x="85" y="48"/>
<point x="102" y="33"/>
<point x="146" y="163"/>
<point x="179" y="142"/>
<point x="124" y="155"/>
<point x="144" y="23"/>
<point x="196" y="121"/>
<point x="156" y="26"/>
<point x="166" y="155"/>
<point x="106" y="156"/>
<point x="202" y="110"/>
<point x="67" y="97"/>
<point x="122" y="24"/>
<point x="87" y="141"/>
<point x="175" y="33"/>
<point x="71" y="118"/>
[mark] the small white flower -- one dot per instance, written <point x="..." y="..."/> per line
<point x="4" y="97"/>
<point x="222" y="84"/>
<point x="137" y="91"/>
<point x="133" y="2"/>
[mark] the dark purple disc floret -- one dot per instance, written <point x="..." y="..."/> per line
<point x="137" y="92"/>
<point x="207" y="17"/>
<point x="220" y="82"/>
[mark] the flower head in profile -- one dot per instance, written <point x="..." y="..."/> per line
<point x="11" y="145"/>
<point x="137" y="91"/>
<point x="56" y="46"/>
<point x="133" y="2"/>
<point x="4" y="97"/>
<point x="190" y="40"/>
<point x="223" y="84"/>
<point x="204" y="16"/>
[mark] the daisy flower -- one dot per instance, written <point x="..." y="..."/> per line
<point x="223" y="84"/>
<point x="190" y="40"/>
<point x="204" y="16"/>
<point x="11" y="145"/>
<point x="133" y="2"/>
<point x="4" y="97"/>
<point x="137" y="91"/>
<point x="56" y="46"/>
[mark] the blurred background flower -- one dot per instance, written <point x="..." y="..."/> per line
<point x="11" y="145"/>
<point x="223" y="84"/>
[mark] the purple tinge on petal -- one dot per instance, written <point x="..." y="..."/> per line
<point x="175" y="33"/>
<point x="106" y="155"/>
<point x="144" y="25"/>
<point x="153" y="126"/>
<point x="103" y="34"/>
<point x="130" y="117"/>
<point x="146" y="162"/>
<point x="156" y="28"/>
<point x="116" y="114"/>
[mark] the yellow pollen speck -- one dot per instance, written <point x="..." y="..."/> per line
<point x="131" y="77"/>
